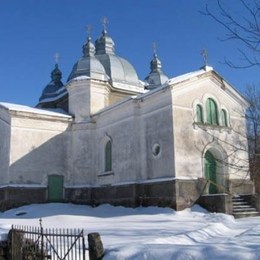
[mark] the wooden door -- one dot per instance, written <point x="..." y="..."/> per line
<point x="210" y="171"/>
<point x="55" y="188"/>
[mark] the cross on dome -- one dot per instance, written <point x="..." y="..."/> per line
<point x="104" y="22"/>
<point x="204" y="54"/>
<point x="154" y="46"/>
<point x="89" y="30"/>
<point x="56" y="58"/>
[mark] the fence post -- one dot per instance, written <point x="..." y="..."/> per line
<point x="42" y="243"/>
<point x="95" y="246"/>
<point x="15" y="242"/>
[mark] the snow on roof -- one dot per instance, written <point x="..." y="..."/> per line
<point x="22" y="108"/>
<point x="49" y="99"/>
<point x="174" y="81"/>
<point x="80" y="78"/>
<point x="189" y="75"/>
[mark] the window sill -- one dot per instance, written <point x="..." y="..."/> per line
<point x="206" y="127"/>
<point x="104" y="174"/>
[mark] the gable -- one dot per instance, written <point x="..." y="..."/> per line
<point x="209" y="84"/>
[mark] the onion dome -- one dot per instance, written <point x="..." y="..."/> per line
<point x="55" y="89"/>
<point x="88" y="65"/>
<point x="118" y="69"/>
<point x="156" y="77"/>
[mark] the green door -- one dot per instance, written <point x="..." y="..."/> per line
<point x="55" y="188"/>
<point x="210" y="171"/>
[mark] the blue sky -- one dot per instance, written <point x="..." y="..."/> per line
<point x="32" y="31"/>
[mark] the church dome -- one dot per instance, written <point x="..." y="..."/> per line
<point x="88" y="65"/>
<point x="118" y="69"/>
<point x="55" y="88"/>
<point x="156" y="77"/>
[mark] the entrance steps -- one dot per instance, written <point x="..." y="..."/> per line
<point x="242" y="208"/>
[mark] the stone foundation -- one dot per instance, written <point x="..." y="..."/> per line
<point x="188" y="192"/>
<point x="177" y="194"/>
<point x="12" y="197"/>
<point x="238" y="186"/>
<point x="217" y="203"/>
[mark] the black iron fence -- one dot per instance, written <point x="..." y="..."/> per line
<point x="38" y="243"/>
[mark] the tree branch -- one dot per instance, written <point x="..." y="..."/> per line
<point x="246" y="30"/>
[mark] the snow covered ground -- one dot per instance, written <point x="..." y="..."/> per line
<point x="149" y="233"/>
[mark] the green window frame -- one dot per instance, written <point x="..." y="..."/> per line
<point x="224" y="119"/>
<point x="108" y="156"/>
<point x="212" y="112"/>
<point x="199" y="114"/>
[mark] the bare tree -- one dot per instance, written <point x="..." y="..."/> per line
<point x="253" y="130"/>
<point x="243" y="27"/>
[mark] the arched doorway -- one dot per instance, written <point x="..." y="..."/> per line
<point x="210" y="171"/>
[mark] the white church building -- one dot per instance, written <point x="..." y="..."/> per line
<point x="105" y="136"/>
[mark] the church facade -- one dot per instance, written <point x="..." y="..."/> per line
<point x="107" y="137"/>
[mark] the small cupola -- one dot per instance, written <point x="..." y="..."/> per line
<point x="156" y="77"/>
<point x="55" y="88"/>
<point x="88" y="48"/>
<point x="105" y="44"/>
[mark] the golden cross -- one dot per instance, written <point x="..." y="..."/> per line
<point x="204" y="54"/>
<point x="154" y="46"/>
<point x="104" y="21"/>
<point x="56" y="57"/>
<point x="89" y="30"/>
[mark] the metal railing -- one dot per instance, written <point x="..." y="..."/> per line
<point x="38" y="243"/>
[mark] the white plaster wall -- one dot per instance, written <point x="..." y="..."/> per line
<point x="118" y="125"/>
<point x="86" y="97"/>
<point x="116" y="96"/>
<point x="38" y="148"/>
<point x="125" y="149"/>
<point x="99" y="96"/>
<point x="134" y="127"/>
<point x="121" y="126"/>
<point x="158" y="131"/>
<point x="191" y="141"/>
<point x="83" y="155"/>
<point x="5" y="131"/>
<point x="187" y="153"/>
<point x="79" y="98"/>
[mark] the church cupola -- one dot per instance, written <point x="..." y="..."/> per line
<point x="88" y="48"/>
<point x="87" y="84"/>
<point x="105" y="44"/>
<point x="121" y="73"/>
<point x="100" y="78"/>
<point x="54" y="90"/>
<point x="88" y="65"/>
<point x="56" y="75"/>
<point x="156" y="77"/>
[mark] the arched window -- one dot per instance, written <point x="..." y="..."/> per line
<point x="108" y="156"/>
<point x="199" y="114"/>
<point x="212" y="112"/>
<point x="224" y="120"/>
